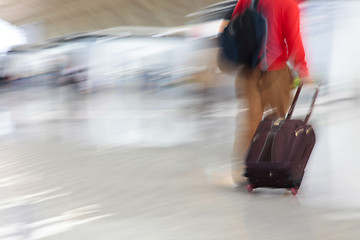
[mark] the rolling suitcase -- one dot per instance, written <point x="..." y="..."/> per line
<point x="280" y="150"/>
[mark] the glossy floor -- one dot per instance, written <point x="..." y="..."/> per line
<point x="137" y="165"/>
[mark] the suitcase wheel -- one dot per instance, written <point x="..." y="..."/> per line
<point x="294" y="191"/>
<point x="250" y="187"/>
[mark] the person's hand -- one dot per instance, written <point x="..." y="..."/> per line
<point x="223" y="25"/>
<point x="309" y="82"/>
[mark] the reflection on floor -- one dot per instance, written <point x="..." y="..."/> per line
<point x="133" y="165"/>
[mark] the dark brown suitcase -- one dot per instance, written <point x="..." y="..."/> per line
<point x="280" y="150"/>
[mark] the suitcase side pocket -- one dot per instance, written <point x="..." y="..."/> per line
<point x="256" y="147"/>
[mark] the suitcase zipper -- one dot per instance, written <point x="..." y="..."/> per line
<point x="274" y="123"/>
<point x="277" y="123"/>
<point x="262" y="150"/>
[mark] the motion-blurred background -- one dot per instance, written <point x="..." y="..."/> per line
<point x="110" y="41"/>
<point x="115" y="123"/>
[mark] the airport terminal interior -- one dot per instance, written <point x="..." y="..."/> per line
<point x="115" y="123"/>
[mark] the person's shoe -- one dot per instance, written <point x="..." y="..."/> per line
<point x="239" y="181"/>
<point x="237" y="173"/>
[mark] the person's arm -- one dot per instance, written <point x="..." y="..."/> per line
<point x="237" y="10"/>
<point x="291" y="27"/>
<point x="226" y="20"/>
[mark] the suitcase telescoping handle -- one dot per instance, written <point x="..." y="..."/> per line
<point x="296" y="97"/>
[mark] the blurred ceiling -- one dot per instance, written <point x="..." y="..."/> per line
<point x="60" y="17"/>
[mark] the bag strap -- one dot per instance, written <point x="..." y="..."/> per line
<point x="254" y="4"/>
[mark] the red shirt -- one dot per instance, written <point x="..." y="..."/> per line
<point x="284" y="41"/>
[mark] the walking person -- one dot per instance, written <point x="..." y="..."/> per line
<point x="268" y="85"/>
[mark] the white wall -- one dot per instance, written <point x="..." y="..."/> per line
<point x="331" y="39"/>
